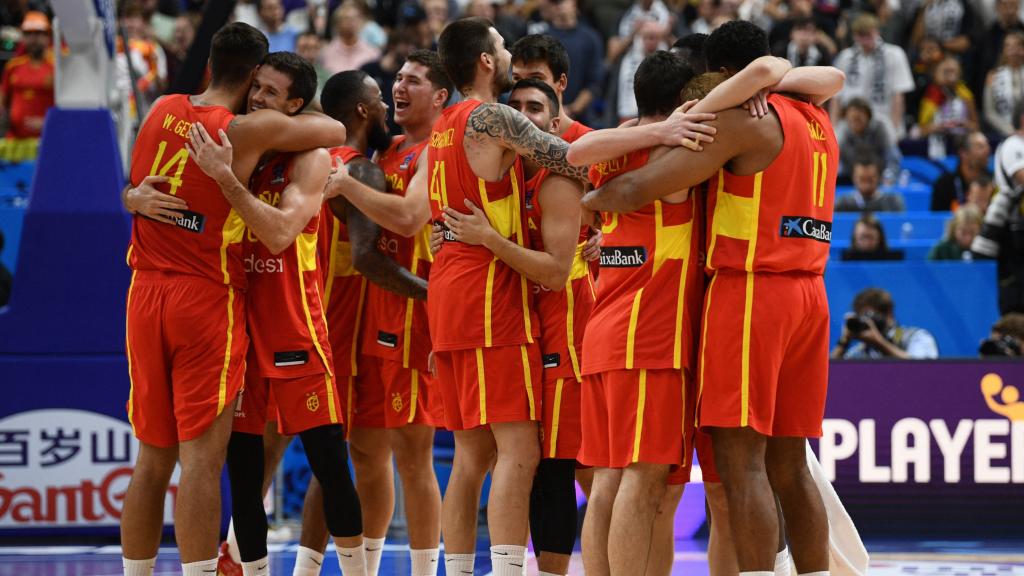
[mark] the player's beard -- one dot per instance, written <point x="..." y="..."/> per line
<point x="502" y="82"/>
<point x="379" y="138"/>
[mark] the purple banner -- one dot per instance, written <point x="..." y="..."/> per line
<point x="927" y="447"/>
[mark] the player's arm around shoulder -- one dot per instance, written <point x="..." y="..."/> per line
<point x="263" y="130"/>
<point x="404" y="215"/>
<point x="516" y="133"/>
<point x="677" y="169"/>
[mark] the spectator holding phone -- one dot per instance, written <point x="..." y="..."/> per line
<point x="871" y="331"/>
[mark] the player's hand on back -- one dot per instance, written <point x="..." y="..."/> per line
<point x="758" y="105"/>
<point x="335" y="182"/>
<point x="682" y="128"/>
<point x="473" y="228"/>
<point x="146" y="200"/>
<point x="592" y="249"/>
<point x="436" y="238"/>
<point x="212" y="158"/>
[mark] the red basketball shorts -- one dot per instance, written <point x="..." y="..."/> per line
<point x="632" y="416"/>
<point x="481" y="386"/>
<point x="298" y="404"/>
<point x="764" y="353"/>
<point x="186" y="346"/>
<point x="389" y="395"/>
<point x="562" y="432"/>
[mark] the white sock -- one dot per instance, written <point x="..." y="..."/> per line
<point x="374" y="548"/>
<point x="542" y="573"/>
<point x="757" y="573"/>
<point x="508" y="560"/>
<point x="138" y="567"/>
<point x="424" y="562"/>
<point x="782" y="563"/>
<point x="458" y="564"/>
<point x="233" y="543"/>
<point x="822" y="573"/>
<point x="202" y="568"/>
<point x="307" y="562"/>
<point x="259" y="567"/>
<point x="351" y="560"/>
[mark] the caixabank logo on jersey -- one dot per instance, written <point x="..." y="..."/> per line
<point x="66" y="468"/>
<point x="623" y="256"/>
<point x="806" y="227"/>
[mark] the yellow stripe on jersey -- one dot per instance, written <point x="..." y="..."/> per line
<point x="673" y="243"/>
<point x="714" y="236"/>
<point x="222" y="391"/>
<point x="748" y="304"/>
<point x="521" y="240"/>
<point x="528" y="379"/>
<point x="128" y="256"/>
<point x="305" y="253"/>
<point x="570" y="329"/>
<point x="414" y="394"/>
<point x="329" y="383"/>
<point x="489" y="301"/>
<point x="343" y="259"/>
<point x="332" y="258"/>
<point x="641" y="401"/>
<point x="349" y="405"/>
<point x="356" y="330"/>
<point x="556" y="412"/>
<point x="686" y="453"/>
<point x="704" y="336"/>
<point x="634" y="314"/>
<point x="231" y="233"/>
<point x="128" y="352"/>
<point x="420" y="250"/>
<point x="481" y="384"/>
<point x="503" y="214"/>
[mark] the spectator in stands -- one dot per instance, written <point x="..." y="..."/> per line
<point x="651" y="39"/>
<point x="1008" y="19"/>
<point x="947" y="107"/>
<point x="439" y="14"/>
<point x="506" y="21"/>
<point x="950" y="190"/>
<point x="145" y="54"/>
<point x="307" y="46"/>
<point x="872" y="332"/>
<point x="928" y="55"/>
<point x="185" y="27"/>
<point x="980" y="193"/>
<point x="951" y="21"/>
<point x="371" y="32"/>
<point x="586" y="52"/>
<point x="639" y="13"/>
<point x="807" y="46"/>
<point x="868" y="241"/>
<point x="1002" y="233"/>
<point x="27" y="85"/>
<point x="707" y="11"/>
<point x="281" y="36"/>
<point x="1006" y="338"/>
<point x="6" y="278"/>
<point x="348" y="51"/>
<point x="876" y="71"/>
<point x="1004" y="87"/>
<point x="960" y="232"/>
<point x="860" y="132"/>
<point x="866" y="196"/>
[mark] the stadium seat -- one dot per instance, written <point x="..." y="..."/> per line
<point x="898" y="226"/>
<point x="922" y="169"/>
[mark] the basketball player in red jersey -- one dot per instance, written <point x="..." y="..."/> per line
<point x="564" y="296"/>
<point x="188" y="272"/>
<point x="544" y="58"/>
<point x="768" y="243"/>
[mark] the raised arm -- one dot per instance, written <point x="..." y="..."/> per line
<point x="518" y="134"/>
<point x="560" y="227"/>
<point x="277" y="227"/>
<point x="405" y="215"/>
<point x="264" y="130"/>
<point x="364" y="234"/>
<point x="818" y="83"/>
<point x="759" y="75"/>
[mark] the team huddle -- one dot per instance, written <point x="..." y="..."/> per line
<point x="574" y="305"/>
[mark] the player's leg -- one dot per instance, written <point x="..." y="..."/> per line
<point x="375" y="483"/>
<point x="142" y="518"/>
<point x="274" y="446"/>
<point x="585" y="478"/>
<point x="663" y="538"/>
<point x="806" y="521"/>
<point x="598" y="520"/>
<point x="197" y="514"/>
<point x="314" y="536"/>
<point x="553" y="515"/>
<point x="474" y="451"/>
<point x="508" y="509"/>
<point x="413" y="446"/>
<point x="740" y="460"/>
<point x="721" y="552"/>
<point x="636" y="505"/>
<point x="245" y="472"/>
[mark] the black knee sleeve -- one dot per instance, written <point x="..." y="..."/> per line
<point x="553" y="507"/>
<point x="327" y="452"/>
<point x="245" y="473"/>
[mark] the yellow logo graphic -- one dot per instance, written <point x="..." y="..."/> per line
<point x="607" y="167"/>
<point x="1009" y="403"/>
<point x="442" y="139"/>
<point x="312" y="402"/>
<point x="817" y="132"/>
<point x="396" y="402"/>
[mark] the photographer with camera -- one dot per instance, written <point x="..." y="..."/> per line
<point x="871" y="331"/>
<point x="1007" y="338"/>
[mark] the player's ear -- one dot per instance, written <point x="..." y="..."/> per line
<point x="362" y="111"/>
<point x="563" y="81"/>
<point x="555" y="123"/>
<point x="440" y="97"/>
<point x="292" y="106"/>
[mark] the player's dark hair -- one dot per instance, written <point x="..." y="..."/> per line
<point x="342" y="93"/>
<point x="659" y="82"/>
<point x="542" y="48"/>
<point x="547" y="90"/>
<point x="235" y="51"/>
<point x="735" y="44"/>
<point x="302" y="74"/>
<point x="460" y="46"/>
<point x="875" y="298"/>
<point x="435" y="70"/>
<point x="691" y="49"/>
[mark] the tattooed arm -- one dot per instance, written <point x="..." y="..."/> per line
<point x="363" y="234"/>
<point x="518" y="134"/>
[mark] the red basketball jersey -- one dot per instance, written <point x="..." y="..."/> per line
<point x="779" y="219"/>
<point x="396" y="326"/>
<point x="649" y="297"/>
<point x="475" y="300"/>
<point x="207" y="239"/>
<point x="344" y="287"/>
<point x="575" y="131"/>
<point x="287" y="323"/>
<point x="563" y="313"/>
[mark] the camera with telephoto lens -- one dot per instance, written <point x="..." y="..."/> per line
<point x="860" y="323"/>
<point x="1003" y="346"/>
